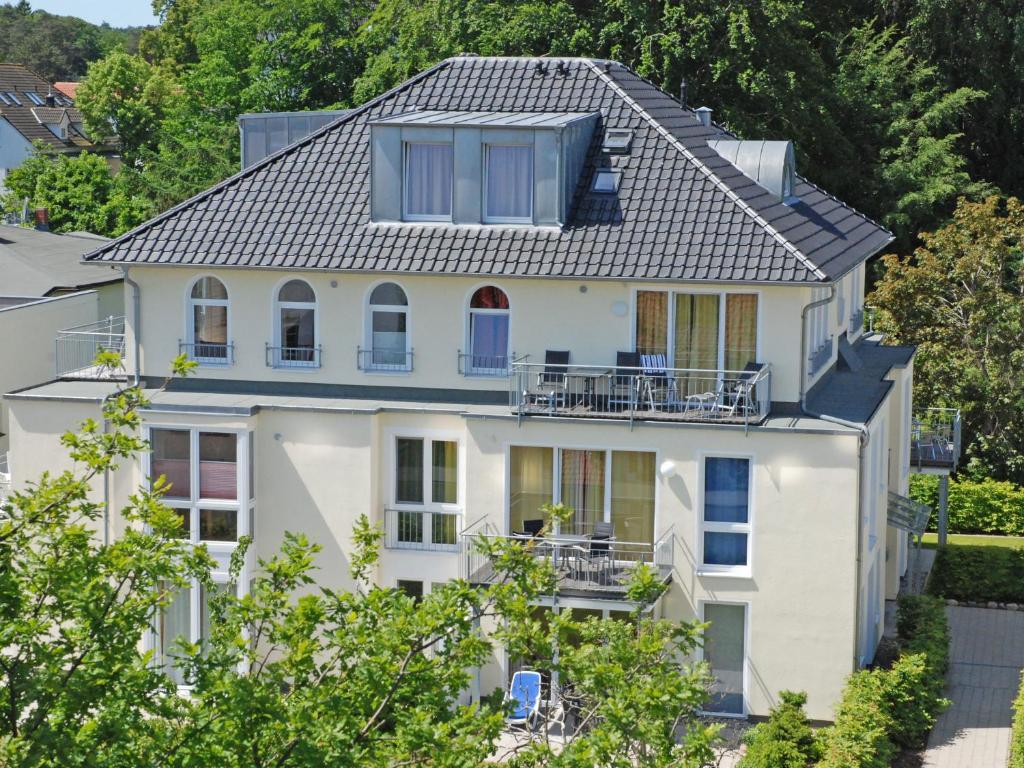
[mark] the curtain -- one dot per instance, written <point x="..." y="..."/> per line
<point x="652" y="322"/>
<point x="530" y="483"/>
<point x="175" y="622"/>
<point x="633" y="496"/>
<point x="211" y="327"/>
<point x="583" y="488"/>
<point x="428" y="180"/>
<point x="721" y="548"/>
<point x="726" y="490"/>
<point x="740" y="330"/>
<point x="510" y="182"/>
<point x="488" y="335"/>
<point x="171" y="458"/>
<point x="724" y="652"/>
<point x="217" y="466"/>
<point x="388" y="337"/>
<point x="696" y="342"/>
<point x="297" y="328"/>
<point x="409" y="470"/>
<point x="444" y="472"/>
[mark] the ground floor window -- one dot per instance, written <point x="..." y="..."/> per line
<point x="725" y="653"/>
<point x="187" y="617"/>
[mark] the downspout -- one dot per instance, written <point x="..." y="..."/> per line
<point x="136" y="321"/>
<point x="862" y="441"/>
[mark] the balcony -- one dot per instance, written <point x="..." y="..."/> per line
<point x="78" y="347"/>
<point x="206" y="353"/>
<point x="631" y="393"/>
<point x="935" y="440"/>
<point x="384" y="360"/>
<point x="421" y="530"/>
<point x="585" y="565"/>
<point x="471" y="364"/>
<point x="294" y="357"/>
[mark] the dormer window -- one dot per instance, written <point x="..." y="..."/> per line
<point x="606" y="182"/>
<point x="428" y="182"/>
<point x="509" y="173"/>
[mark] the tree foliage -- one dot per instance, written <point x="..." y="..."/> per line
<point x="960" y="299"/>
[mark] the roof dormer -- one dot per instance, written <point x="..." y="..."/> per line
<point x="770" y="163"/>
<point x="501" y="168"/>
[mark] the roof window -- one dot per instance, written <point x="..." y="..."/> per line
<point x="606" y="182"/>
<point x="34" y="98"/>
<point x="14" y="98"/>
<point x="4" y="99"/>
<point x="617" y="140"/>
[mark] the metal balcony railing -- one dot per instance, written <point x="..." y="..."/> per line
<point x="294" y="357"/>
<point x="652" y="393"/>
<point x="472" y="364"/>
<point x="78" y="347"/>
<point x="383" y="360"/>
<point x="583" y="564"/>
<point x="422" y="530"/>
<point x="935" y="436"/>
<point x="206" y="353"/>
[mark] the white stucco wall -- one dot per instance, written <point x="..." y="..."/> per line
<point x="14" y="149"/>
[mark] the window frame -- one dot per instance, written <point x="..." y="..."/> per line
<point x="485" y="217"/>
<point x="406" y="215"/>
<point x="715" y="569"/>
<point x="277" y="328"/>
<point x="470" y="369"/>
<point x="368" y="312"/>
<point x="197" y="590"/>
<point x="190" y="331"/>
<point x="428" y="437"/>
<point x="671" y="311"/>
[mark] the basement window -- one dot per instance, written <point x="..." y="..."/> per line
<point x="606" y="182"/>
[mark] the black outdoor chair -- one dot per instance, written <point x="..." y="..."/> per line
<point x="533" y="527"/>
<point x="625" y="379"/>
<point x="553" y="381"/>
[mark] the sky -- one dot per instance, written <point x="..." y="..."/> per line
<point x="117" y="13"/>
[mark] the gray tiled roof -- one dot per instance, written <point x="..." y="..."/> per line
<point x="29" y="119"/>
<point x="855" y="395"/>
<point x="681" y="213"/>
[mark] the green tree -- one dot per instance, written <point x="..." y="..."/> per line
<point x="125" y="96"/>
<point x="959" y="299"/>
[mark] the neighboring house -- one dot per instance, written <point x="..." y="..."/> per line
<point x="509" y="282"/>
<point x="68" y="89"/>
<point x="32" y="110"/>
<point x="45" y="289"/>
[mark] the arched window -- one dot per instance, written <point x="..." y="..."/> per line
<point x="207" y="333"/>
<point x="296" y="327"/>
<point x="387" y="330"/>
<point x="488" y="332"/>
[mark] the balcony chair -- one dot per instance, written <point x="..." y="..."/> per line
<point x="736" y="395"/>
<point x="532" y="528"/>
<point x="524" y="694"/>
<point x="593" y="558"/>
<point x="553" y="381"/>
<point x="623" y="388"/>
<point x="658" y="386"/>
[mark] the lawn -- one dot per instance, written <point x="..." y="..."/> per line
<point x="1012" y="542"/>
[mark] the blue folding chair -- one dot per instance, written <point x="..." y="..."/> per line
<point x="524" y="693"/>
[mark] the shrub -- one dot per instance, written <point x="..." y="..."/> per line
<point x="1017" y="737"/>
<point x="859" y="738"/>
<point x="978" y="573"/>
<point x="785" y="740"/>
<point x="983" y="506"/>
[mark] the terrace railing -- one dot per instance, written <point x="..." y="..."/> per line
<point x="422" y="530"/>
<point x="935" y="437"/>
<point x="208" y="353"/>
<point x="78" y="347"/>
<point x="472" y="364"/>
<point x="383" y="360"/>
<point x="294" y="357"/>
<point x="674" y="394"/>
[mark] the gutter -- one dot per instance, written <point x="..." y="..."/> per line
<point x="136" y="320"/>
<point x="862" y="441"/>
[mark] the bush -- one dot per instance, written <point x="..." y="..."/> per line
<point x="1017" y="737"/>
<point x="985" y="506"/>
<point x="885" y="709"/>
<point x="975" y="573"/>
<point x="785" y="740"/>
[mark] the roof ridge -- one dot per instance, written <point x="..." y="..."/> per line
<point x="262" y="163"/>
<point x="737" y="200"/>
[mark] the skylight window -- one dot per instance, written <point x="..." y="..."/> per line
<point x="4" y="99"/>
<point x="617" y="140"/>
<point x="606" y="182"/>
<point x="14" y="97"/>
<point x="34" y="98"/>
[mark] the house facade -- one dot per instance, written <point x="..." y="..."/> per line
<point x="511" y="282"/>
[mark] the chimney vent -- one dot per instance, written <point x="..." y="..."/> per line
<point x="682" y="91"/>
<point x="51" y="99"/>
<point x="704" y="115"/>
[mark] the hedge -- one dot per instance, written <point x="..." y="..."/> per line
<point x="883" y="710"/>
<point x="1017" y="737"/>
<point x="986" y="506"/>
<point x="978" y="573"/>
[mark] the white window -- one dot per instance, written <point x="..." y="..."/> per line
<point x="488" y="333"/>
<point x="508" y="179"/>
<point x="387" y="331"/>
<point x="296" y="329"/>
<point x="819" y="332"/>
<point x="426" y="494"/>
<point x="428" y="182"/>
<point x="189" y="618"/>
<point x="725" y="522"/>
<point x="207" y="323"/>
<point x="725" y="651"/>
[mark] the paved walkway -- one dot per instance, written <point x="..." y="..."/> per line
<point x="986" y="658"/>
